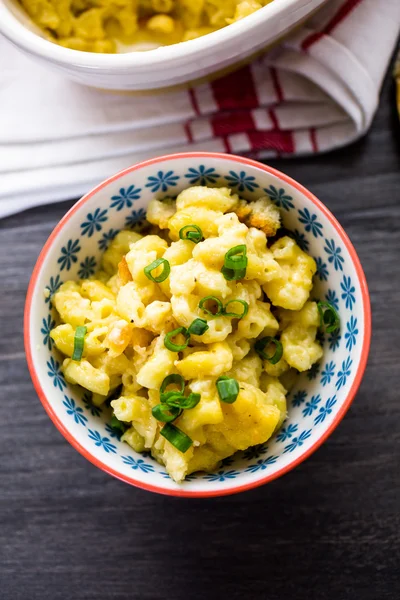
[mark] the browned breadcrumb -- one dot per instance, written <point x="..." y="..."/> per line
<point x="262" y="214"/>
<point x="124" y="272"/>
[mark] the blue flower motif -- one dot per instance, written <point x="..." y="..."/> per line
<point x="94" y="222"/>
<point x="107" y="238"/>
<point x="190" y="477"/>
<point x="135" y="218"/>
<point x="126" y="197"/>
<point x="334" y="340"/>
<point x="324" y="411"/>
<point x="328" y="373"/>
<point x="311" y="405"/>
<point x="297" y="441"/>
<point x="313" y="372"/>
<point x="322" y="269"/>
<point x="344" y="373"/>
<point x="55" y="283"/>
<point x="221" y="475"/>
<point x="94" y="410"/>
<point x="261" y="464"/>
<point x="138" y="464"/>
<point x="332" y="298"/>
<point x="299" y="398"/>
<point x="87" y="268"/>
<point x="301" y="240"/>
<point x="48" y="325"/>
<point x="242" y="181"/>
<point x="255" y="451"/>
<point x="54" y="371"/>
<point x="68" y="255"/>
<point x="279" y="197"/>
<point x="348" y="292"/>
<point x="351" y="333"/>
<point x="162" y="181"/>
<point x="102" y="442"/>
<point x="310" y="222"/>
<point x="75" y="411"/>
<point x="334" y="254"/>
<point x="227" y="462"/>
<point x="113" y="433"/>
<point x="286" y="432"/>
<point x="202" y="176"/>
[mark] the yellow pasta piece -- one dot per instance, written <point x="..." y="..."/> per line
<point x="298" y="338"/>
<point x="292" y="288"/>
<point x="72" y="307"/>
<point x="158" y="366"/>
<point x="214" y="361"/>
<point x="84" y="374"/>
<point x="118" y="247"/>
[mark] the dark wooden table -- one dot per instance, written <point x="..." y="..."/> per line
<point x="328" y="530"/>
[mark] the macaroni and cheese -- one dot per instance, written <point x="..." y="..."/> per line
<point x="192" y="332"/>
<point x="99" y="26"/>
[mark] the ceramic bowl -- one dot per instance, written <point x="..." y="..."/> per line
<point x="320" y="397"/>
<point x="164" y="67"/>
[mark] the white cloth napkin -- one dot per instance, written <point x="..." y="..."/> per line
<point x="319" y="90"/>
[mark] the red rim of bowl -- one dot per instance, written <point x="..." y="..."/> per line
<point x="240" y="488"/>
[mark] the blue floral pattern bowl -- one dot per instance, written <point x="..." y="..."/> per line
<point x="320" y="398"/>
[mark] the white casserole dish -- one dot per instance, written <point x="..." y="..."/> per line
<point x="163" y="67"/>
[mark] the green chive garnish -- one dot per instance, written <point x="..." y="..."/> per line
<point x="79" y="341"/>
<point x="192" y="233"/>
<point x="235" y="263"/>
<point x="329" y="318"/>
<point x="228" y="389"/>
<point x="207" y="305"/>
<point x="260" y="346"/>
<point x="176" y="437"/>
<point x="156" y="263"/>
<point x="237" y="315"/>
<point x="118" y="425"/>
<point x="198" y="327"/>
<point x="176" y="347"/>
<point x="165" y="412"/>
<point x="172" y="379"/>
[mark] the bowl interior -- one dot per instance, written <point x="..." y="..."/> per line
<point x="319" y="398"/>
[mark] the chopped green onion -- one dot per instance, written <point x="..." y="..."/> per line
<point x="236" y="258"/>
<point x="235" y="263"/>
<point x="117" y="424"/>
<point x="260" y="346"/>
<point x="165" y="413"/>
<point x="156" y="263"/>
<point x="329" y="318"/>
<point x="79" y="341"/>
<point x="198" y="327"/>
<point x="183" y="402"/>
<point x="172" y="379"/>
<point x="176" y="437"/>
<point x="172" y="398"/>
<point x="212" y="299"/>
<point x="191" y="401"/>
<point x="192" y="233"/>
<point x="237" y="315"/>
<point x="228" y="389"/>
<point x="233" y="274"/>
<point x="176" y="347"/>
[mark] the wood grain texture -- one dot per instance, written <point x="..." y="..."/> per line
<point x="327" y="531"/>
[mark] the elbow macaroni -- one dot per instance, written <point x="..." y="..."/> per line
<point x="127" y="317"/>
<point x="98" y="26"/>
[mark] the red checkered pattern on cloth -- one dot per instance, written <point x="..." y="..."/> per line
<point x="257" y="110"/>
